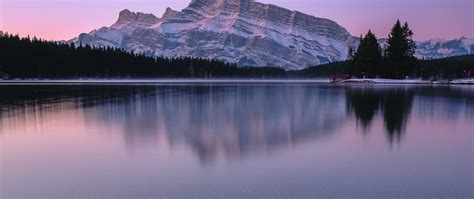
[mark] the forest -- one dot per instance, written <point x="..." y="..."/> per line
<point x="27" y="58"/>
<point x="396" y="59"/>
<point x="24" y="57"/>
<point x="445" y="68"/>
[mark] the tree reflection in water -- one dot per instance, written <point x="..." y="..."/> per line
<point x="393" y="103"/>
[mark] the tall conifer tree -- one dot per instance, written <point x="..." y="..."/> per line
<point x="368" y="56"/>
<point x="400" y="49"/>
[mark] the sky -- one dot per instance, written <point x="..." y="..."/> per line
<point x="66" y="19"/>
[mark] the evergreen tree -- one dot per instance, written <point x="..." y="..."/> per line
<point x="368" y="56"/>
<point x="400" y="49"/>
<point x="409" y="45"/>
<point x="393" y="50"/>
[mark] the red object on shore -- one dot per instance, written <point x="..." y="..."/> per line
<point x="345" y="76"/>
<point x="469" y="73"/>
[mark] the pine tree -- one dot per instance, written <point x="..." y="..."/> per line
<point x="400" y="49"/>
<point x="409" y="44"/>
<point x="368" y="56"/>
<point x="393" y="51"/>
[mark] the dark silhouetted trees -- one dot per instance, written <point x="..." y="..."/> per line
<point x="366" y="60"/>
<point x="445" y="68"/>
<point x="399" y="52"/>
<point x="36" y="58"/>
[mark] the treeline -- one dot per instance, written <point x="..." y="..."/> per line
<point x="445" y="68"/>
<point x="35" y="58"/>
<point x="396" y="59"/>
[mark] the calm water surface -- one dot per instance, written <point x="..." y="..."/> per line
<point x="236" y="140"/>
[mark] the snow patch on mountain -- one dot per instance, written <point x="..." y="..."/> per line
<point x="245" y="32"/>
<point x="241" y="31"/>
<point x="440" y="48"/>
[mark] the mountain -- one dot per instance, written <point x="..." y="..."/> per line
<point x="245" y="32"/>
<point x="440" y="48"/>
<point x="242" y="31"/>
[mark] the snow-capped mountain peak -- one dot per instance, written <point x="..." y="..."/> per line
<point x="245" y="32"/>
<point x="242" y="31"/>
<point x="439" y="48"/>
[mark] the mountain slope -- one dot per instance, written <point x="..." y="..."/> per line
<point x="440" y="48"/>
<point x="245" y="32"/>
<point x="241" y="31"/>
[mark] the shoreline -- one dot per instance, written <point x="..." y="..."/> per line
<point x="469" y="81"/>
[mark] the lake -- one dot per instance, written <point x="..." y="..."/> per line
<point x="236" y="140"/>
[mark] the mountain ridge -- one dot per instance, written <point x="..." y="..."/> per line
<point x="245" y="32"/>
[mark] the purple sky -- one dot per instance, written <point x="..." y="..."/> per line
<point x="65" y="19"/>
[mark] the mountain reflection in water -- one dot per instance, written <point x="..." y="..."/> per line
<point x="227" y="119"/>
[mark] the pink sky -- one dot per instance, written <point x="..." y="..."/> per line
<point x="65" y="19"/>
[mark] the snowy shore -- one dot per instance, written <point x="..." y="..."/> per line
<point x="147" y="81"/>
<point x="408" y="81"/>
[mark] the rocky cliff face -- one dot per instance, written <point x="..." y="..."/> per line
<point x="244" y="32"/>
<point x="439" y="48"/>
